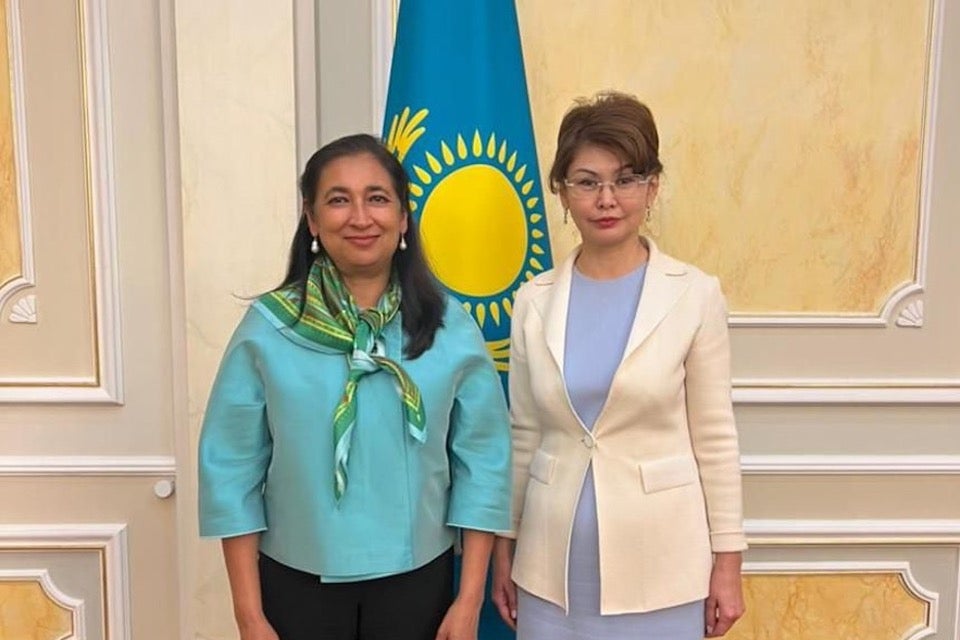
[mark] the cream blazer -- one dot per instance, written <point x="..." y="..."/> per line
<point x="664" y="447"/>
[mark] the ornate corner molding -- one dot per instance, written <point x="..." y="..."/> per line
<point x="911" y="315"/>
<point x="24" y="311"/>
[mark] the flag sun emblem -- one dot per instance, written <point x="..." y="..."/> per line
<point x="480" y="214"/>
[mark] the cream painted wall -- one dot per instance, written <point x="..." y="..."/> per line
<point x="239" y="169"/>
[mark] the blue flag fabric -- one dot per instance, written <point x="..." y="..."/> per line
<point x="458" y="117"/>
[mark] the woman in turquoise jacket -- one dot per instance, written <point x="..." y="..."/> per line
<point x="355" y="425"/>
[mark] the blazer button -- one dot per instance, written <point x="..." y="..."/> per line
<point x="588" y="441"/>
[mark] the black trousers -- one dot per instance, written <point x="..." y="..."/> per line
<point x="407" y="606"/>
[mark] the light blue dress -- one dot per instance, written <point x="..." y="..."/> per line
<point x="600" y="315"/>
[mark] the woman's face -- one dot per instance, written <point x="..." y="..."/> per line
<point x="610" y="215"/>
<point x="357" y="215"/>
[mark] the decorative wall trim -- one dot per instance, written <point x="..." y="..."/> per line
<point x="901" y="568"/>
<point x="110" y="539"/>
<point x="853" y="319"/>
<point x="96" y="466"/>
<point x="853" y="531"/>
<point x="24" y="311"/>
<point x="99" y="118"/>
<point x="911" y="315"/>
<point x="819" y="465"/>
<point x="846" y="390"/>
<point x="27" y="276"/>
<point x="75" y="606"/>
<point x="382" y="17"/>
<point x="107" y="387"/>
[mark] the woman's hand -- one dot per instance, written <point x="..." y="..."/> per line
<point x="724" y="605"/>
<point x="257" y="629"/>
<point x="461" y="621"/>
<point x="503" y="590"/>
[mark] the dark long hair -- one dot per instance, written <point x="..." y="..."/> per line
<point x="421" y="302"/>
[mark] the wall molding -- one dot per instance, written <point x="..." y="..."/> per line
<point x="832" y="464"/>
<point x="382" y="17"/>
<point x="99" y="122"/>
<point x="908" y="531"/>
<point x="911" y="315"/>
<point x="27" y="277"/>
<point x="846" y="390"/>
<point x="75" y="606"/>
<point x="107" y="386"/>
<point x="109" y="539"/>
<point x="24" y="310"/>
<point x="90" y="466"/>
<point x="898" y="567"/>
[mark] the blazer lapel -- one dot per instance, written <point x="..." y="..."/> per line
<point x="663" y="285"/>
<point x="553" y="309"/>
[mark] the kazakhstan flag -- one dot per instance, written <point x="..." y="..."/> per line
<point x="458" y="118"/>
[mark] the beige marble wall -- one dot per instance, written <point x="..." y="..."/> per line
<point x="9" y="215"/>
<point x="791" y="134"/>
<point x="828" y="607"/>
<point x="238" y="163"/>
<point x="27" y="613"/>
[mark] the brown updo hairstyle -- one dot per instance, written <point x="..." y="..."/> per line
<point x="611" y="120"/>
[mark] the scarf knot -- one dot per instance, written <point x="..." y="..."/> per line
<point x="330" y="317"/>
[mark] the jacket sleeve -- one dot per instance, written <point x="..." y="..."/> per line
<point x="479" y="442"/>
<point x="713" y="431"/>
<point x="525" y="429"/>
<point x="235" y="445"/>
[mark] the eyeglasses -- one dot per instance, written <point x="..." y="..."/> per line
<point x="626" y="186"/>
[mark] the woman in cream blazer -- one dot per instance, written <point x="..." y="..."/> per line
<point x="660" y="458"/>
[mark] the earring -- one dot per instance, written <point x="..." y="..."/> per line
<point x="566" y="214"/>
<point x="315" y="246"/>
<point x="647" y="215"/>
<point x="403" y="243"/>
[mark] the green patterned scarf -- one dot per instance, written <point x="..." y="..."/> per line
<point x="330" y="317"/>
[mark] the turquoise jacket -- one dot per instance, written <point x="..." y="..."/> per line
<point x="266" y="450"/>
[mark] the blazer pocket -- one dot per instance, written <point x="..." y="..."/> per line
<point x="542" y="466"/>
<point x="667" y="473"/>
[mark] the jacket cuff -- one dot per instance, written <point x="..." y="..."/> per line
<point x="726" y="542"/>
